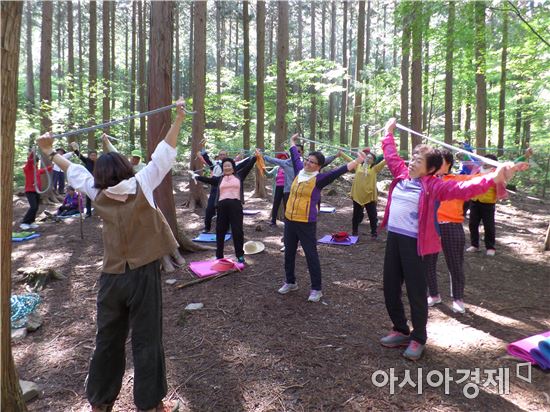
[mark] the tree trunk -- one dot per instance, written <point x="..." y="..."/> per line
<point x="29" y="89"/>
<point x="367" y="37"/>
<point x="449" y="74"/>
<point x="502" y="95"/>
<point x="106" y="71"/>
<point x="405" y="66"/>
<point x="384" y="20"/>
<point x="142" y="32"/>
<point x="197" y="197"/>
<point x="219" y="120"/>
<point x="246" y="77"/>
<point x="59" y="36"/>
<point x="282" y="57"/>
<point x="416" y="72"/>
<point x="237" y="45"/>
<point x="92" y="73"/>
<point x="481" y="86"/>
<point x="426" y="84"/>
<point x="12" y="11"/>
<point x="190" y="58"/>
<point x="46" y="67"/>
<point x="112" y="62"/>
<point x="271" y="29"/>
<point x="177" y="69"/>
<point x="517" y="132"/>
<point x="468" y="120"/>
<point x="70" y="56"/>
<point x="332" y="97"/>
<point x="80" y="53"/>
<point x="358" y="73"/>
<point x="259" y="189"/>
<point x="133" y="58"/>
<point x="323" y="30"/>
<point x="344" y="102"/>
<point x="300" y="45"/>
<point x="313" y="111"/>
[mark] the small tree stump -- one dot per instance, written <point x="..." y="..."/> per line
<point x="37" y="278"/>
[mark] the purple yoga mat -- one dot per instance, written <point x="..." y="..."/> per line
<point x="328" y="240"/>
<point x="204" y="268"/>
<point x="521" y="348"/>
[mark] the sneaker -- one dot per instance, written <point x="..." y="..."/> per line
<point x="282" y="249"/>
<point x="458" y="306"/>
<point x="34" y="226"/>
<point x="395" y="339"/>
<point x="315" y="296"/>
<point x="205" y="230"/>
<point x="374" y="236"/>
<point x="169" y="406"/>
<point x="434" y="300"/>
<point x="414" y="350"/>
<point x="25" y="226"/>
<point x="272" y="224"/>
<point x="49" y="214"/>
<point x="472" y="249"/>
<point x="102" y="408"/>
<point x="288" y="287"/>
<point x="491" y="252"/>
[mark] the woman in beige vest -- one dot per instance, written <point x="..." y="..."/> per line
<point x="135" y="237"/>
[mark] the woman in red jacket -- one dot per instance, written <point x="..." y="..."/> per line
<point x="33" y="196"/>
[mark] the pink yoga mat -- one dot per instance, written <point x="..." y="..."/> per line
<point x="328" y="240"/>
<point x="204" y="269"/>
<point x="521" y="348"/>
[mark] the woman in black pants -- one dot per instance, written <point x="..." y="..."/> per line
<point x="229" y="203"/>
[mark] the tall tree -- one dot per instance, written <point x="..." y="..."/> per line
<point x="219" y="120"/>
<point x="282" y="58"/>
<point x="80" y="52"/>
<point x="46" y="66"/>
<point x="323" y="29"/>
<point x="358" y="74"/>
<point x="106" y="19"/>
<point x="313" y="111"/>
<point x="112" y="40"/>
<point x="11" y="12"/>
<point x="299" y="46"/>
<point x="481" y="85"/>
<point x="405" y="67"/>
<point x="29" y="90"/>
<point x="449" y="74"/>
<point x="367" y="61"/>
<point x="92" y="72"/>
<point x="345" y="87"/>
<point x="259" y="190"/>
<point x="60" y="36"/>
<point x="246" y="77"/>
<point x="190" y="56"/>
<point x="133" y="76"/>
<point x="502" y="94"/>
<point x="416" y="72"/>
<point x="70" y="51"/>
<point x="237" y="43"/>
<point x="332" y="97"/>
<point x="197" y="197"/>
<point x="142" y="33"/>
<point x="177" y="68"/>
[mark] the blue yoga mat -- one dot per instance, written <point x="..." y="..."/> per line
<point x="22" y="239"/>
<point x="209" y="237"/>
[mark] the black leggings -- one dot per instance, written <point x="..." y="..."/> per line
<point x="358" y="216"/>
<point x="230" y="213"/>
<point x="34" y="201"/>
<point x="277" y="199"/>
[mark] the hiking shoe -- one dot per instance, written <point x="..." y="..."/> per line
<point x="288" y="287"/>
<point x="102" y="408"/>
<point x="414" y="350"/>
<point x="458" y="306"/>
<point x="491" y="252"/>
<point x="472" y="249"/>
<point x="315" y="296"/>
<point x="169" y="406"/>
<point x="434" y="300"/>
<point x="25" y="226"/>
<point x="395" y="339"/>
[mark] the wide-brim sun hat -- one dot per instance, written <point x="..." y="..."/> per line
<point x="252" y="247"/>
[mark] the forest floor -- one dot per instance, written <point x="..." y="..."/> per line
<point x="251" y="349"/>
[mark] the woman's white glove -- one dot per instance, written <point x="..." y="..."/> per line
<point x="193" y="175"/>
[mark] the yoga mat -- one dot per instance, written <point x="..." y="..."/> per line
<point x="544" y="347"/>
<point x="539" y="358"/>
<point x="521" y="348"/>
<point x="204" y="268"/>
<point x="68" y="216"/>
<point x="22" y="239"/>
<point x="328" y="240"/>
<point x="209" y="237"/>
<point x="251" y="212"/>
<point x="327" y="209"/>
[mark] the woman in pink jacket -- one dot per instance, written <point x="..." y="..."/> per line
<point x="410" y="218"/>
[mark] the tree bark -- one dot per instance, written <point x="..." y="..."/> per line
<point x="246" y="77"/>
<point x="112" y="62"/>
<point x="358" y="74"/>
<point x="449" y="74"/>
<point x="481" y="86"/>
<point x="142" y="32"/>
<point x="405" y="66"/>
<point x="106" y="71"/>
<point x="197" y="197"/>
<point x="46" y="67"/>
<point x="11" y="12"/>
<point x="416" y="73"/>
<point x="219" y="120"/>
<point x="29" y="89"/>
<point x="323" y="30"/>
<point x="133" y="58"/>
<point x="502" y="95"/>
<point x="177" y="69"/>
<point x="59" y="36"/>
<point x="313" y="111"/>
<point x="190" y="57"/>
<point x="344" y="102"/>
<point x="259" y="189"/>
<point x="332" y="97"/>
<point x="70" y="54"/>
<point x="92" y="73"/>
<point x="300" y="45"/>
<point x="282" y="58"/>
<point x="80" y="53"/>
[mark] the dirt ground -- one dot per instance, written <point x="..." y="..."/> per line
<point x="251" y="349"/>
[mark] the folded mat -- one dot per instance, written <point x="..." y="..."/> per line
<point x="22" y="236"/>
<point x="251" y="211"/>
<point x="521" y="348"/>
<point x="209" y="237"/>
<point x="539" y="358"/>
<point x="327" y="209"/>
<point x="204" y="268"/>
<point x="328" y="240"/>
<point x="544" y="347"/>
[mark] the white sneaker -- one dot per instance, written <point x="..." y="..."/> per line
<point x="458" y="306"/>
<point x="434" y="300"/>
<point x="34" y="226"/>
<point x="25" y="226"/>
<point x="491" y="252"/>
<point x="282" y="249"/>
<point x="288" y="287"/>
<point x="315" y="296"/>
<point x="472" y="249"/>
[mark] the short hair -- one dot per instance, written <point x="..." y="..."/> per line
<point x="301" y="146"/>
<point x="92" y="152"/>
<point x="320" y="158"/>
<point x="433" y="157"/>
<point x="110" y="169"/>
<point x="69" y="187"/>
<point x="230" y="160"/>
<point x="448" y="157"/>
